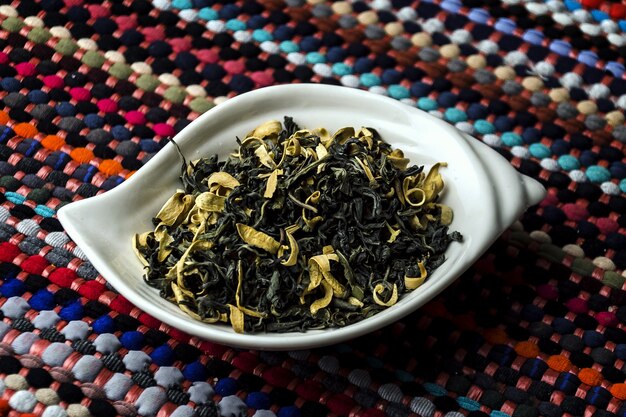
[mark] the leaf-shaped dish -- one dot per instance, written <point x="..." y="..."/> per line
<point x="486" y="193"/>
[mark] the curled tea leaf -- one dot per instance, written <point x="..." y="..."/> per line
<point x="238" y="295"/>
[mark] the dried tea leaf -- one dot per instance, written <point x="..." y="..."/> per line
<point x="238" y="296"/>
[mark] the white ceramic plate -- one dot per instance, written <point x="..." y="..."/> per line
<point x="486" y="193"/>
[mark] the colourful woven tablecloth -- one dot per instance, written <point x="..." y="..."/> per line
<point x="90" y="90"/>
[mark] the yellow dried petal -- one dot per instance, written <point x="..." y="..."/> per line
<point x="397" y="159"/>
<point x="328" y="249"/>
<point x="433" y="184"/>
<point x="324" y="136"/>
<point x="343" y="135"/>
<point x="180" y="300"/>
<point x="378" y="289"/>
<point x="272" y="183"/>
<point x="292" y="147"/>
<point x="293" y="245"/>
<point x="324" y="301"/>
<point x="292" y="229"/>
<point x="264" y="157"/>
<point x="302" y="133"/>
<point x="140" y="241"/>
<point x="416" y="224"/>
<point x="366" y="135"/>
<point x="236" y="318"/>
<point x="193" y="314"/>
<point x="163" y="237"/>
<point x="366" y="169"/>
<point x="393" y="233"/>
<point x="175" y="208"/>
<point x="312" y="199"/>
<point x="321" y="151"/>
<point x="257" y="239"/>
<point x="251" y="142"/>
<point x="415" y="196"/>
<point x="446" y="214"/>
<point x="412" y="283"/>
<point x="355" y="302"/>
<point x="180" y="294"/>
<point x="180" y="265"/>
<point x="223" y="179"/>
<point x="319" y="268"/>
<point x="269" y="129"/>
<point x="209" y="201"/>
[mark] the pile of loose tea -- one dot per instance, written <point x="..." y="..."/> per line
<point x="299" y="229"/>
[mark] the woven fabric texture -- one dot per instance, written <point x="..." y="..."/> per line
<point x="91" y="90"/>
